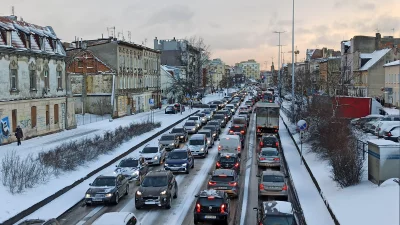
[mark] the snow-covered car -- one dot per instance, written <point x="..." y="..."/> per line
<point x="153" y="155"/>
<point x="170" y="110"/>
<point x="132" y="168"/>
<point x="107" y="189"/>
<point x="117" y="218"/>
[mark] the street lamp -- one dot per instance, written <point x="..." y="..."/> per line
<point x="293" y="98"/>
<point x="279" y="60"/>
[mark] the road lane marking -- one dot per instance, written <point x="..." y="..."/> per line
<point x="88" y="216"/>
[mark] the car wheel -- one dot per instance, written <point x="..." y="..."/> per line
<point x="116" y="200"/>
<point x="195" y="222"/>
<point x="137" y="207"/>
<point x="88" y="204"/>
<point x="168" y="205"/>
<point x="127" y="190"/>
<point x="176" y="191"/>
<point x="187" y="170"/>
<point x="192" y="165"/>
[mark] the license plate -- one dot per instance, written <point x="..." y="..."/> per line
<point x="210" y="217"/>
<point x="174" y="168"/>
<point x="150" y="203"/>
<point x="97" y="199"/>
<point x="222" y="188"/>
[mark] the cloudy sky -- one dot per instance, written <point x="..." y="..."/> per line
<point x="236" y="30"/>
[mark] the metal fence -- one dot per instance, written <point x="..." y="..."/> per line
<point x="362" y="148"/>
<point x="87" y="118"/>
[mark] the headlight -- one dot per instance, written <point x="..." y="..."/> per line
<point x="214" y="135"/>
<point x="185" y="164"/>
<point x="87" y="196"/>
<point x="194" y="128"/>
<point x="108" y="195"/>
<point x="182" y="136"/>
<point x="165" y="164"/>
<point x="136" y="173"/>
<point x="171" y="144"/>
<point x="164" y="192"/>
<point x="202" y="149"/>
<point x="156" y="157"/>
<point x="208" y="142"/>
<point x="139" y="193"/>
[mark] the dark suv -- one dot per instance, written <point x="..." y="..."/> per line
<point x="238" y="128"/>
<point x="212" y="206"/>
<point x="228" y="161"/>
<point x="107" y="189"/>
<point x="157" y="189"/>
<point x="181" y="132"/>
<point x="225" y="180"/>
<point x="268" y="141"/>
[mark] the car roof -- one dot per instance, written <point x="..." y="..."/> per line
<point x="277" y="207"/>
<point x="158" y="173"/>
<point x="168" y="135"/>
<point x="231" y="136"/>
<point x="109" y="174"/>
<point x="224" y="154"/>
<point x="198" y="136"/>
<point x="223" y="172"/>
<point x="114" y="218"/>
<point x="135" y="158"/>
<point x="179" y="150"/>
<point x="203" y="130"/>
<point x="211" y="192"/>
<point x="272" y="172"/>
<point x="238" y="117"/>
<point x="269" y="135"/>
<point x="269" y="149"/>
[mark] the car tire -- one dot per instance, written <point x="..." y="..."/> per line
<point x="137" y="207"/>
<point x="176" y="191"/>
<point x="127" y="190"/>
<point x="116" y="200"/>
<point x="187" y="170"/>
<point x="196" y="222"/>
<point x="168" y="205"/>
<point x="88" y="204"/>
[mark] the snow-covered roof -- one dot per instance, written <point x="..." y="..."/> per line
<point x="374" y="57"/>
<point x="278" y="207"/>
<point x="394" y="63"/>
<point x="347" y="43"/>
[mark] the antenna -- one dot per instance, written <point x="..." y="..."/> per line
<point x="12" y="10"/>
<point x="129" y="36"/>
<point x="377" y="30"/>
<point x="122" y="34"/>
<point x="111" y="31"/>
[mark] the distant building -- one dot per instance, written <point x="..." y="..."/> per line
<point x="329" y="75"/>
<point x="169" y="74"/>
<point x="33" y="93"/>
<point x="392" y="83"/>
<point x="250" y="68"/>
<point x="217" y="70"/>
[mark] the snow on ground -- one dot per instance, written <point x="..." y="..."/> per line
<point x="90" y="118"/>
<point x="13" y="204"/>
<point x="314" y="209"/>
<point x="365" y="203"/>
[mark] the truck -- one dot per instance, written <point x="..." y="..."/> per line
<point x="268" y="96"/>
<point x="355" y="107"/>
<point x="267" y="118"/>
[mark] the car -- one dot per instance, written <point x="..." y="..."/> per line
<point x="249" y="103"/>
<point x="212" y="206"/>
<point x="179" y="107"/>
<point x="213" y="107"/>
<point x="133" y="168"/>
<point x="107" y="189"/>
<point x="227" y="98"/>
<point x="245" y="117"/>
<point x="228" y="161"/>
<point x="272" y="183"/>
<point x="169" y="141"/>
<point x="268" y="141"/>
<point x="117" y="218"/>
<point x="181" y="132"/>
<point x="225" y="180"/>
<point x="190" y="127"/>
<point x="170" y="110"/>
<point x="241" y="137"/>
<point x="276" y="212"/>
<point x="241" y="128"/>
<point x="52" y="221"/>
<point x="220" y="104"/>
<point x="203" y="118"/>
<point x="214" y="130"/>
<point x="226" y="113"/>
<point x="195" y="119"/>
<point x="240" y="120"/>
<point x="244" y="109"/>
<point x="179" y="160"/>
<point x="230" y="144"/>
<point x="198" y="145"/>
<point x="157" y="189"/>
<point x="153" y="155"/>
<point x="208" y="114"/>
<point x="216" y="123"/>
<point x="246" y="113"/>
<point x="269" y="157"/>
<point x="224" y="120"/>
<point x="231" y="107"/>
<point x="210" y="138"/>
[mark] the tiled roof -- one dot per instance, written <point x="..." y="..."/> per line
<point x="20" y="30"/>
<point x="374" y="57"/>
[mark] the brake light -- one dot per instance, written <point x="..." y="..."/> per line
<point x="277" y="144"/>
<point x="219" y="147"/>
<point x="242" y="132"/>
<point x="218" y="164"/>
<point x="261" y="186"/>
<point x="389" y="134"/>
<point x="236" y="126"/>
<point x="258" y="130"/>
<point x="239" y="148"/>
<point x="198" y="206"/>
<point x="237" y="165"/>
<point x="261" y="143"/>
<point x="223" y="208"/>
<point x="276" y="131"/>
<point x="211" y="197"/>
<point x="277" y="159"/>
<point x="233" y="184"/>
<point x="284" y="188"/>
<point x="231" y="131"/>
<point x="212" y="183"/>
<point x="262" y="158"/>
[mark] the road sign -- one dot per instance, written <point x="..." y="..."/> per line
<point x="302" y="125"/>
<point x="151" y="101"/>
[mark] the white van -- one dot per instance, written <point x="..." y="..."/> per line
<point x="230" y="144"/>
<point x="384" y="126"/>
<point x="117" y="218"/>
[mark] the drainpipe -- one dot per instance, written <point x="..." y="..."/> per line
<point x="66" y="98"/>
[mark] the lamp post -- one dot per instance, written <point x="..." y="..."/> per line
<point x="279" y="60"/>
<point x="293" y="98"/>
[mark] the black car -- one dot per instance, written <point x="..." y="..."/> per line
<point x="170" y="110"/>
<point x="181" y="132"/>
<point x="212" y="206"/>
<point x="216" y="123"/>
<point x="214" y="130"/>
<point x="228" y="161"/>
<point x="224" y="120"/>
<point x="157" y="189"/>
<point x="240" y="128"/>
<point x="268" y="141"/>
<point x="107" y="189"/>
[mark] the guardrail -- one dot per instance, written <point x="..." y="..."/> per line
<point x="52" y="197"/>
<point x="335" y="220"/>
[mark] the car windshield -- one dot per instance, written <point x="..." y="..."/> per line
<point x="201" y="114"/>
<point x="177" y="155"/>
<point x="155" y="181"/>
<point x="269" y="153"/>
<point x="238" y="121"/>
<point x="150" y="150"/>
<point x="167" y="138"/>
<point x="129" y="163"/>
<point x="219" y="117"/>
<point x="169" y="108"/>
<point x="208" y="134"/>
<point x="193" y="118"/>
<point x="207" y="113"/>
<point x="104" y="181"/>
<point x="177" y="130"/>
<point x="196" y="142"/>
<point x="210" y="201"/>
<point x="278" y="220"/>
<point x="273" y="178"/>
<point x="243" y="113"/>
<point x="229" y="106"/>
<point x="190" y="124"/>
<point x="227" y="159"/>
<point x="222" y="178"/>
<point x="213" y="123"/>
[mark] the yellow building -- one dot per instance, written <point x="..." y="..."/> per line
<point x="251" y="69"/>
<point x="217" y="70"/>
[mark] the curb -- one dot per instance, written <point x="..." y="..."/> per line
<point x="335" y="220"/>
<point x="21" y="215"/>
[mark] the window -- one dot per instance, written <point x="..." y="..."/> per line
<point x="33" y="116"/>
<point x="14" y="119"/>
<point x="46" y="79"/>
<point x="56" y="115"/>
<point x="32" y="79"/>
<point x="80" y="64"/>
<point x="14" y="79"/>
<point x="59" y="79"/>
<point x="47" y="115"/>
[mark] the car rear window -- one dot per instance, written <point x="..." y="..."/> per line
<point x="210" y="201"/>
<point x="269" y="140"/>
<point x="227" y="159"/>
<point x="239" y="121"/>
<point x="196" y="142"/>
<point x="222" y="178"/>
<point x="269" y="153"/>
<point x="273" y="178"/>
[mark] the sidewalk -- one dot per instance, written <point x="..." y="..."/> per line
<point x="314" y="209"/>
<point x="365" y="203"/>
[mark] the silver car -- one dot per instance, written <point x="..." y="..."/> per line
<point x="269" y="157"/>
<point x="203" y="118"/>
<point x="190" y="127"/>
<point x="195" y="119"/>
<point x="272" y="183"/>
<point x="169" y="141"/>
<point x="208" y="133"/>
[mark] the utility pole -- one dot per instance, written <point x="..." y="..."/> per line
<point x="293" y="97"/>
<point x="279" y="61"/>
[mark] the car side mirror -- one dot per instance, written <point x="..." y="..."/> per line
<point x="258" y="175"/>
<point x="196" y="196"/>
<point x="90" y="184"/>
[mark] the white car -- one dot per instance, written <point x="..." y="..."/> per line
<point x="153" y="155"/>
<point x="117" y="218"/>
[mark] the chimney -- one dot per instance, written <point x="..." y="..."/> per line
<point x="377" y="41"/>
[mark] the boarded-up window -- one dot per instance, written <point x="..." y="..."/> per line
<point x="56" y="114"/>
<point x="47" y="115"/>
<point x="33" y="116"/>
<point x="14" y="119"/>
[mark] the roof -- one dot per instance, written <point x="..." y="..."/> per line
<point x="211" y="192"/>
<point x="223" y="172"/>
<point x="277" y="207"/>
<point x="272" y="172"/>
<point x="224" y="154"/>
<point x="374" y="58"/>
<point x="198" y="136"/>
<point x="114" y="218"/>
<point x="394" y="63"/>
<point x="157" y="172"/>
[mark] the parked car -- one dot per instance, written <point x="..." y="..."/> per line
<point x="153" y="155"/>
<point x="272" y="183"/>
<point x="133" y="168"/>
<point x="384" y="126"/>
<point x="198" y="145"/>
<point x="181" y="132"/>
<point x="210" y="138"/>
<point x="195" y="119"/>
<point x="117" y="218"/>
<point x="179" y="160"/>
<point x="157" y="189"/>
<point x="169" y="141"/>
<point x="179" y="107"/>
<point x="269" y="157"/>
<point x="107" y="189"/>
<point x="225" y="180"/>
<point x="230" y="144"/>
<point x="393" y="135"/>
<point x="190" y="127"/>
<point x="268" y="141"/>
<point x="203" y="118"/>
<point x="276" y="212"/>
<point x="212" y="206"/>
<point x="228" y="161"/>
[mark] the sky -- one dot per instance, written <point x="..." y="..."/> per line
<point x="234" y="30"/>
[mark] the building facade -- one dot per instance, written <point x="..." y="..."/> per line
<point x="217" y="70"/>
<point x="251" y="69"/>
<point x="392" y="83"/>
<point x="33" y="93"/>
<point x="329" y="75"/>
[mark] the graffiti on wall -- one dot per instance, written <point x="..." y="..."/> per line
<point x="5" y="129"/>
